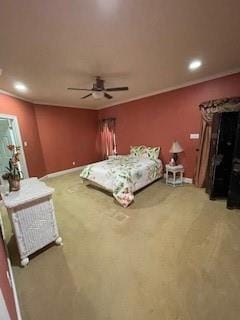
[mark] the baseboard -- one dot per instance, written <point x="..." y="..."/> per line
<point x="188" y="180"/>
<point x="13" y="285"/>
<point x="60" y="173"/>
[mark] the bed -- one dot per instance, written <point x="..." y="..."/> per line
<point x="123" y="175"/>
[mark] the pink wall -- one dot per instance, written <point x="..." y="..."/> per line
<point x="29" y="131"/>
<point x="57" y="136"/>
<point x="4" y="284"/>
<point x="67" y="135"/>
<point x="160" y="119"/>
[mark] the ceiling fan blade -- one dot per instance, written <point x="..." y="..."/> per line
<point x="117" y="89"/>
<point x="79" y="89"/>
<point x="106" y="95"/>
<point x="88" y="95"/>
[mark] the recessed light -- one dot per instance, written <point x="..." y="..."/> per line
<point x="20" y="87"/>
<point x="195" y="64"/>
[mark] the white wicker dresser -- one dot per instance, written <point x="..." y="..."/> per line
<point x="32" y="215"/>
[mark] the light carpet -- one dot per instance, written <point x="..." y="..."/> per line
<point x="172" y="255"/>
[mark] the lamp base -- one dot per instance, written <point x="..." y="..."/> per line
<point x="175" y="158"/>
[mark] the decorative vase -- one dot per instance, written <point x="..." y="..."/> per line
<point x="14" y="184"/>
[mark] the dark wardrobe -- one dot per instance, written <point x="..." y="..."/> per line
<point x="223" y="176"/>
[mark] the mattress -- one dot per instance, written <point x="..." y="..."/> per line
<point x="123" y="175"/>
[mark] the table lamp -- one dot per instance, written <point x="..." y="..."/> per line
<point x="175" y="149"/>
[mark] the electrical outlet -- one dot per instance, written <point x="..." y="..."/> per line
<point x="194" y="136"/>
<point x="25" y="143"/>
<point x="74" y="163"/>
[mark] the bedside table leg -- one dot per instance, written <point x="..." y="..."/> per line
<point x="182" y="178"/>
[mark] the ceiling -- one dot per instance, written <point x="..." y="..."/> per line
<point x="144" y="44"/>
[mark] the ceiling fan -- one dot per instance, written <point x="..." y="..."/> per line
<point x="98" y="90"/>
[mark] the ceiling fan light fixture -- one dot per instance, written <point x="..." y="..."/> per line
<point x="99" y="91"/>
<point x="98" y="94"/>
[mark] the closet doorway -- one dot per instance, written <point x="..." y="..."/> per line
<point x="218" y="161"/>
<point x="10" y="134"/>
<point x="224" y="160"/>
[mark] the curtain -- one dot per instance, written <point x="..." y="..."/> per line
<point x="207" y="110"/>
<point x="204" y="148"/>
<point x="108" y="137"/>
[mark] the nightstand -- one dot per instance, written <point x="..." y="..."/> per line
<point x="174" y="175"/>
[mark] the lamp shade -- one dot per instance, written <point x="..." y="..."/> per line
<point x="176" y="147"/>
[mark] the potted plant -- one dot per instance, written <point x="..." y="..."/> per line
<point x="13" y="174"/>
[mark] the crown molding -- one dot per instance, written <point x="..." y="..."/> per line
<point x="42" y="103"/>
<point x="184" y="85"/>
<point x="15" y="96"/>
<point x="61" y="105"/>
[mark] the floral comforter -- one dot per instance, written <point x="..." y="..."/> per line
<point x="123" y="175"/>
